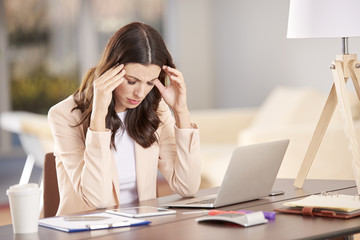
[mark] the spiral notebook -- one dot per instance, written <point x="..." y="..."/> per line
<point x="325" y="205"/>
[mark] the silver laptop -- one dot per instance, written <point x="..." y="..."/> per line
<point x="250" y="175"/>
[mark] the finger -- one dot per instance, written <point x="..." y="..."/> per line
<point x="116" y="80"/>
<point x="108" y="78"/>
<point x="119" y="68"/>
<point x="109" y="84"/>
<point x="172" y="71"/>
<point x="159" y="85"/>
<point x="177" y="81"/>
<point x="112" y="72"/>
<point x="174" y="75"/>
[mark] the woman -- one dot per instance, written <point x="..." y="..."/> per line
<point x="117" y="129"/>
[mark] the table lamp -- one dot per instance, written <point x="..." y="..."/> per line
<point x="330" y="19"/>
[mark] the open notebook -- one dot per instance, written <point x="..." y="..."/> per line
<point x="338" y="202"/>
<point x="324" y="205"/>
<point x="250" y="175"/>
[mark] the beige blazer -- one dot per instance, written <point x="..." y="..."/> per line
<point x="87" y="173"/>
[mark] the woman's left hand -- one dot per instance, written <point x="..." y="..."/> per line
<point x="175" y="93"/>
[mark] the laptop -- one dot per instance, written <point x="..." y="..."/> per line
<point x="250" y="175"/>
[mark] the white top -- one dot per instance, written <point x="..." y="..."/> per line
<point x="125" y="162"/>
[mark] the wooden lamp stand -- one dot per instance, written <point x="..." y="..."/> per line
<point x="344" y="67"/>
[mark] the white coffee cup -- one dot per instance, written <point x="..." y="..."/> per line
<point x="24" y="202"/>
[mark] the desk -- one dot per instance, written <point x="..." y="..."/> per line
<point x="184" y="226"/>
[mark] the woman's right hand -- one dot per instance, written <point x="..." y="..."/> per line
<point x="103" y="88"/>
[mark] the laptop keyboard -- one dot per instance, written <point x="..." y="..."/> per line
<point x="206" y="201"/>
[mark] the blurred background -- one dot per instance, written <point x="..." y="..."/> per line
<point x="231" y="52"/>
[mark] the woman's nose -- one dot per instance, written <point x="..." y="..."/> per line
<point x="140" y="91"/>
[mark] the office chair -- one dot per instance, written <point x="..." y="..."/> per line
<point x="50" y="191"/>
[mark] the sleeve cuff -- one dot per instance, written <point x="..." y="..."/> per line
<point x="98" y="139"/>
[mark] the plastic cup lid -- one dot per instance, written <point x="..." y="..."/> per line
<point x="23" y="189"/>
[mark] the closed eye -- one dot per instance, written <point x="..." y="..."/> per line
<point x="132" y="81"/>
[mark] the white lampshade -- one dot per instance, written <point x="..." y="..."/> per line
<point x="324" y="19"/>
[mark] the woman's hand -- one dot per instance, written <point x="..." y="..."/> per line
<point x="103" y="88"/>
<point x="175" y="96"/>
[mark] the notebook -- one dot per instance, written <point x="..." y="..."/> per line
<point x="250" y="175"/>
<point x="325" y="205"/>
<point x="339" y="202"/>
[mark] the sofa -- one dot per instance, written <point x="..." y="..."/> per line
<point x="33" y="132"/>
<point x="287" y="112"/>
<point x="219" y="129"/>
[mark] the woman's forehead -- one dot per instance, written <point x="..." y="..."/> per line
<point x="142" y="72"/>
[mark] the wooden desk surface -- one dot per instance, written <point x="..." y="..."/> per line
<point x="184" y="226"/>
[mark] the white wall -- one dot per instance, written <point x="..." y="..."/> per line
<point x="188" y="35"/>
<point x="249" y="49"/>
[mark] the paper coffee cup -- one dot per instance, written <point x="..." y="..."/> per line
<point x="24" y="202"/>
<point x="27" y="236"/>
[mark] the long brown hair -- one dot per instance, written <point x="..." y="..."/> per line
<point x="134" y="43"/>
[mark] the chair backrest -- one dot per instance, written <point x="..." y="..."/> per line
<point x="51" y="191"/>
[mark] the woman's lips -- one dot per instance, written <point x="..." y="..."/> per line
<point x="134" y="102"/>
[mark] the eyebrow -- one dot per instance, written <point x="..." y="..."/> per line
<point x="137" y="79"/>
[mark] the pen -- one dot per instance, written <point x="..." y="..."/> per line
<point x="110" y="225"/>
<point x="267" y="215"/>
<point x="85" y="218"/>
<point x="200" y="211"/>
<point x="218" y="212"/>
<point x="98" y="226"/>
